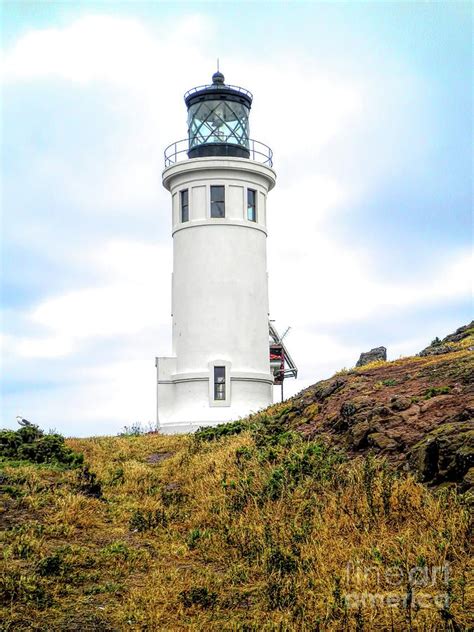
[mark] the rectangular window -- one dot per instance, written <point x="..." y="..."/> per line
<point x="184" y="206"/>
<point x="251" y="205"/>
<point x="217" y="201"/>
<point x="219" y="382"/>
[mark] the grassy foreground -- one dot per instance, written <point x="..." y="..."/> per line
<point x="261" y="530"/>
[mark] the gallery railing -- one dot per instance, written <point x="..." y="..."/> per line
<point x="178" y="151"/>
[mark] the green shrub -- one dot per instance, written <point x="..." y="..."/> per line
<point x="436" y="390"/>
<point x="222" y="430"/>
<point x="51" y="565"/>
<point x="265" y="430"/>
<point x="314" y="461"/>
<point x="12" y="441"/>
<point x="29" y="443"/>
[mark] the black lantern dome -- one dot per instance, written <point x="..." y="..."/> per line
<point x="218" y="119"/>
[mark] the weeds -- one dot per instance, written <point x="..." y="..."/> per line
<point x="144" y="520"/>
<point x="193" y="538"/>
<point x="370" y="471"/>
<point x="137" y="429"/>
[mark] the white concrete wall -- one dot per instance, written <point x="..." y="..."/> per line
<point x="220" y="295"/>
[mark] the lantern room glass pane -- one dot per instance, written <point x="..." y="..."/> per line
<point x="218" y="121"/>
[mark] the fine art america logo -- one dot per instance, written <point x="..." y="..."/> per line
<point x="395" y="587"/>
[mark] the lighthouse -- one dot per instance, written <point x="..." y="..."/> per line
<point x="219" y="180"/>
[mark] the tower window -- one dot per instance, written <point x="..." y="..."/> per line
<point x="251" y="205"/>
<point x="217" y="201"/>
<point x="184" y="205"/>
<point x="219" y="382"/>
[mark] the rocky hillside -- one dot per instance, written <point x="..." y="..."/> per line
<point x="418" y="412"/>
<point x="306" y="516"/>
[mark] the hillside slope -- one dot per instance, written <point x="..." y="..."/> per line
<point x="268" y="523"/>
<point x="418" y="411"/>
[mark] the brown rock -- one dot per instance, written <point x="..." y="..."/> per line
<point x="433" y="403"/>
<point x="438" y="350"/>
<point x="356" y="405"/>
<point x="445" y="454"/>
<point x="381" y="441"/>
<point x="468" y="480"/>
<point x="331" y="388"/>
<point x="400" y="403"/>
<point x="359" y="433"/>
<point x="413" y="411"/>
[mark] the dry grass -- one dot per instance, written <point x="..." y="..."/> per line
<point x="242" y="533"/>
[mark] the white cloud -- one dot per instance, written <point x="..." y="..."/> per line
<point x="134" y="295"/>
<point x="331" y="283"/>
<point x="100" y="47"/>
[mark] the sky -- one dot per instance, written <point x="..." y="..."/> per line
<point x="368" y="109"/>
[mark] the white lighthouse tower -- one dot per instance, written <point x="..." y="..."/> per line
<point x="219" y="180"/>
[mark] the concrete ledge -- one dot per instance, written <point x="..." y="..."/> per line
<point x="221" y="163"/>
<point x="185" y="427"/>
<point x="203" y="376"/>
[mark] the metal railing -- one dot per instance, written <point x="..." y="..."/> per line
<point x="217" y="86"/>
<point x="178" y="151"/>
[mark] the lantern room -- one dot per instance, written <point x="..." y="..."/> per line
<point x="218" y="120"/>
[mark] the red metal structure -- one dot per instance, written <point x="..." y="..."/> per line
<point x="281" y="363"/>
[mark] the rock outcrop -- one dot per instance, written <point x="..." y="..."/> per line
<point x="418" y="412"/>
<point x="446" y="454"/>
<point x="450" y="342"/>
<point x="374" y="355"/>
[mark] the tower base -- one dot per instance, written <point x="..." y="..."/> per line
<point x="186" y="402"/>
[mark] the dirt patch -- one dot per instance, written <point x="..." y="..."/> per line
<point x="158" y="457"/>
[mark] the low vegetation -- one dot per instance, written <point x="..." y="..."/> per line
<point x="275" y="522"/>
<point x="260" y="530"/>
<point x="30" y="444"/>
